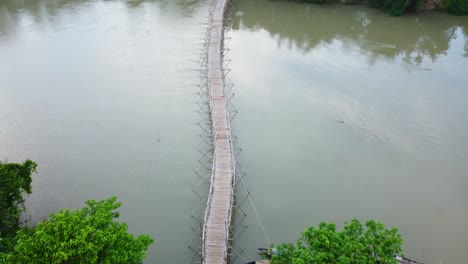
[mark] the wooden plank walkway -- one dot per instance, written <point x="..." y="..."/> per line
<point x="218" y="212"/>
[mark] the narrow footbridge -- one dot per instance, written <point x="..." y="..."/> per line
<point x="218" y="212"/>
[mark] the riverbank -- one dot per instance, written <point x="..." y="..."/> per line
<point x="426" y="5"/>
<point x="400" y="7"/>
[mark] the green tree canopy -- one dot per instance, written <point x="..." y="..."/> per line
<point x="456" y="7"/>
<point x="15" y="180"/>
<point x="368" y="244"/>
<point x="87" y="235"/>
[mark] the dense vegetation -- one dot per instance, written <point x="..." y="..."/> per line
<point x="456" y="7"/>
<point x="15" y="181"/>
<point x="399" y="7"/>
<point x="87" y="235"/>
<point x="369" y="243"/>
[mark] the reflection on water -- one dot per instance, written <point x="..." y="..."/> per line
<point x="101" y="94"/>
<point x="40" y="11"/>
<point x="345" y="112"/>
<point x="412" y="38"/>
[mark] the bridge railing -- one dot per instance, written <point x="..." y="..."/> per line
<point x="218" y="69"/>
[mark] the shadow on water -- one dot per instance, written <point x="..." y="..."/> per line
<point x="308" y="26"/>
<point x="465" y="30"/>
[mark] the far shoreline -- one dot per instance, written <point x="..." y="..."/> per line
<point x="414" y="7"/>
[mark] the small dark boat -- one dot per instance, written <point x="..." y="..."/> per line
<point x="404" y="260"/>
<point x="268" y="252"/>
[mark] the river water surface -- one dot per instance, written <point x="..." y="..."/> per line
<point x="101" y="95"/>
<point x="343" y="112"/>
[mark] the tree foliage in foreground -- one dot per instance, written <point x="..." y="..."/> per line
<point x="370" y="243"/>
<point x="87" y="235"/>
<point x="15" y="181"/>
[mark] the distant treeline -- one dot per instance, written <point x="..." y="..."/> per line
<point x="399" y="7"/>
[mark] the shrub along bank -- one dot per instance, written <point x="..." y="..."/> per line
<point x="400" y="7"/>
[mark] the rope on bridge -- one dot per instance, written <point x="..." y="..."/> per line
<point x="218" y="212"/>
<point x="256" y="213"/>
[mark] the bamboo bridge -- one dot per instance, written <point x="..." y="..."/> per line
<point x="218" y="212"/>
